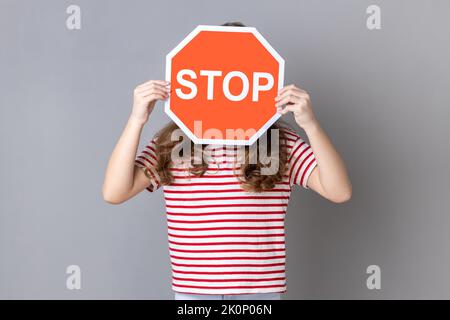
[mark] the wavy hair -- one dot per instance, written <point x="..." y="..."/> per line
<point x="249" y="172"/>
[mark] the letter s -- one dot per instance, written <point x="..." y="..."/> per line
<point x="186" y="83"/>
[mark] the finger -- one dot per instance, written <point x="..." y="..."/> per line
<point x="153" y="86"/>
<point x="291" y="87"/>
<point x="288" y="108"/>
<point x="148" y="91"/>
<point x="153" y="91"/>
<point x="155" y="96"/>
<point x="287" y="93"/>
<point x="286" y="99"/>
<point x="160" y="82"/>
<point x="296" y="92"/>
<point x="302" y="95"/>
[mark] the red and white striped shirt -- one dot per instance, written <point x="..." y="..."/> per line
<point x="222" y="239"/>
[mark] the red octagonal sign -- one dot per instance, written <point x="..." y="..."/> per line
<point x="224" y="81"/>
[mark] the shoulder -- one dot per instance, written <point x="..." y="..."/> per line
<point x="289" y="134"/>
<point x="296" y="146"/>
<point x="152" y="142"/>
<point x="290" y="138"/>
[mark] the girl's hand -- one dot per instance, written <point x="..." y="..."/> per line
<point x="145" y="97"/>
<point x="298" y="102"/>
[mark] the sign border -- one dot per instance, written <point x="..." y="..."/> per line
<point x="183" y="43"/>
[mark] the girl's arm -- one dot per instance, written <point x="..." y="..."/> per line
<point x="329" y="178"/>
<point x="123" y="179"/>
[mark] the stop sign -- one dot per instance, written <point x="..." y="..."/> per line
<point x="223" y="84"/>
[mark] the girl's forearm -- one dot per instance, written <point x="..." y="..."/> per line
<point x="119" y="174"/>
<point x="332" y="171"/>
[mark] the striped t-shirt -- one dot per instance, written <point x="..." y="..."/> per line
<point x="222" y="239"/>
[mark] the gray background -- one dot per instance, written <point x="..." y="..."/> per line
<point x="381" y="95"/>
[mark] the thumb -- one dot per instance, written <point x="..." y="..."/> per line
<point x="286" y="109"/>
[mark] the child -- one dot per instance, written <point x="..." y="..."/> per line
<point x="226" y="219"/>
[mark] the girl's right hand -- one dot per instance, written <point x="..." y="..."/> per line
<point x="145" y="97"/>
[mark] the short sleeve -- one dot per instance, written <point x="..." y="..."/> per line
<point x="301" y="163"/>
<point x="147" y="160"/>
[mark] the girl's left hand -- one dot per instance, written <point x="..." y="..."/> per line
<point x="298" y="102"/>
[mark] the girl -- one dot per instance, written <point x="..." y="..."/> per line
<point x="226" y="219"/>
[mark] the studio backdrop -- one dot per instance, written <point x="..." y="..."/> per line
<point x="378" y="75"/>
